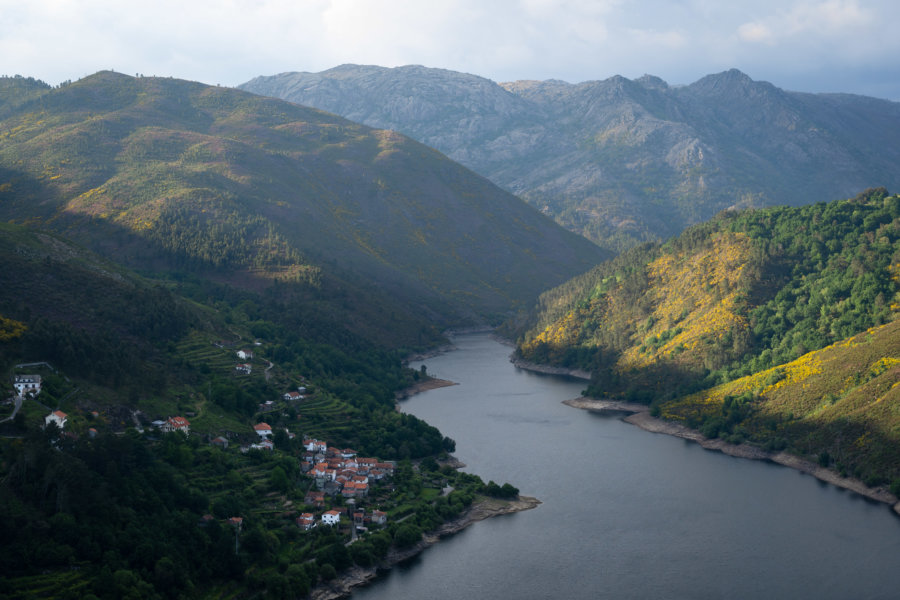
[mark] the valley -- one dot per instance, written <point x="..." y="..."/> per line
<point x="220" y="294"/>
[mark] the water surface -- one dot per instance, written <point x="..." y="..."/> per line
<point x="627" y="513"/>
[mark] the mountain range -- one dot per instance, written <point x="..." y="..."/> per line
<point x="622" y="161"/>
<point x="174" y="175"/>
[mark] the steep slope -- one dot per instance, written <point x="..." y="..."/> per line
<point x="107" y="505"/>
<point x="839" y="405"/>
<point x="172" y="174"/>
<point x="743" y="293"/>
<point x="618" y="160"/>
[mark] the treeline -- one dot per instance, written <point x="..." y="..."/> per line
<point x="123" y="517"/>
<point x="765" y="286"/>
<point x="219" y="237"/>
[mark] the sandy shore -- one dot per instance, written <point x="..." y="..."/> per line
<point x="423" y="386"/>
<point x="641" y="417"/>
<point x="343" y="586"/>
<point x="530" y="366"/>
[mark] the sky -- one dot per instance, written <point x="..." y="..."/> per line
<point x="803" y="45"/>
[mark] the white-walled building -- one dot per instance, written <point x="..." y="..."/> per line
<point x="27" y="384"/>
<point x="331" y="517"/>
<point x="58" y="417"/>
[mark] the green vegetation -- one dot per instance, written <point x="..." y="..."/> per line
<point x="836" y="406"/>
<point x="744" y="292"/>
<point x="123" y="516"/>
<point x="761" y="304"/>
<point x="101" y="510"/>
<point x="215" y="183"/>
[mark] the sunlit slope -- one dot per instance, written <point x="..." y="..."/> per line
<point x="174" y="174"/>
<point x="740" y="294"/>
<point x="840" y="404"/>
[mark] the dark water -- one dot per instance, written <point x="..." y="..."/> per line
<point x="626" y="513"/>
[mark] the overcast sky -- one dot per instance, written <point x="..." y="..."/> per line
<point x="807" y="45"/>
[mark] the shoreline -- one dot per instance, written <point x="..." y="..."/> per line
<point x="432" y="383"/>
<point x="547" y="370"/>
<point x="640" y="417"/>
<point x="343" y="585"/>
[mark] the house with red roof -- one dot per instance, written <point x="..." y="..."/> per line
<point x="176" y="424"/>
<point x="58" y="417"/>
<point x="263" y="430"/>
<point x="306" y="521"/>
<point x="315" y="498"/>
<point x="378" y="517"/>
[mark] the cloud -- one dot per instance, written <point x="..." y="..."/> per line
<point x="230" y="41"/>
<point x="815" y="19"/>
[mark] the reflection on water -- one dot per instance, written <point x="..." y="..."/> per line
<point x="626" y="513"/>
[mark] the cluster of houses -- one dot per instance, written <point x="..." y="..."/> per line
<point x="337" y="471"/>
<point x="341" y="472"/>
<point x="245" y="367"/>
<point x="307" y="521"/>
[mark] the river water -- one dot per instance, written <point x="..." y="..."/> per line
<point x="627" y="513"/>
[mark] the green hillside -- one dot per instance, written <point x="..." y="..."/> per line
<point x="172" y="175"/>
<point x="745" y="292"/>
<point x="839" y="405"/>
<point x="111" y="508"/>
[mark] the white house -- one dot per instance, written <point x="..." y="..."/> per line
<point x="58" y="417"/>
<point x="245" y="368"/>
<point x="293" y="396"/>
<point x="27" y="384"/>
<point x="331" y="517"/>
<point x="263" y="445"/>
<point x="245" y="354"/>
<point x="314" y="445"/>
<point x="177" y="424"/>
<point x="263" y="430"/>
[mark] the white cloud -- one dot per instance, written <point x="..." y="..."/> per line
<point x="815" y="19"/>
<point x="756" y="32"/>
<point x="230" y="41"/>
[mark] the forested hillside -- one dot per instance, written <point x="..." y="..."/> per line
<point x="623" y="161"/>
<point x="169" y="175"/>
<point x="745" y="292"/>
<point x="108" y="506"/>
<point x="837" y="406"/>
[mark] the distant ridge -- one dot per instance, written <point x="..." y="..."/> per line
<point x="619" y="160"/>
<point x="175" y="175"/>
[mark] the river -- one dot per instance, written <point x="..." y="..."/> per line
<point x="627" y="513"/>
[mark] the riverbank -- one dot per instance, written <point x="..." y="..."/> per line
<point x="423" y="385"/>
<point x="641" y="417"/>
<point x="343" y="585"/>
<point x="548" y="370"/>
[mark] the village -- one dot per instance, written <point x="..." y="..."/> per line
<point x="340" y="482"/>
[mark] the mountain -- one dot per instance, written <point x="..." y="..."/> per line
<point x="622" y="161"/>
<point x="170" y="175"/>
<point x="742" y="293"/>
<point x="837" y="405"/>
<point x="106" y="505"/>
